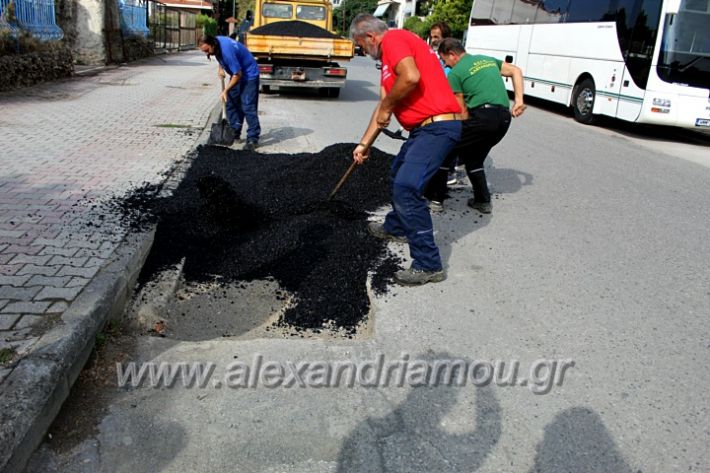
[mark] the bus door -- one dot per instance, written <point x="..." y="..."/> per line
<point x="630" y="101"/>
<point x="521" y="60"/>
<point x="637" y="32"/>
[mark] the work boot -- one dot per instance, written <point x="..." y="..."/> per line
<point x="417" y="277"/>
<point x="378" y="230"/>
<point x="250" y="146"/>
<point x="483" y="207"/>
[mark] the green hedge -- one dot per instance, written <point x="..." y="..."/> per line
<point x="207" y="23"/>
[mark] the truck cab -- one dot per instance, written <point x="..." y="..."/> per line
<point x="315" y="12"/>
<point x="295" y="46"/>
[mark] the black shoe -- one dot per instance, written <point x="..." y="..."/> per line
<point x="251" y="146"/>
<point x="483" y="207"/>
<point x="417" y="277"/>
<point x="378" y="230"/>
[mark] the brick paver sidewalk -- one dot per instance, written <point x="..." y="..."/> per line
<point x="66" y="146"/>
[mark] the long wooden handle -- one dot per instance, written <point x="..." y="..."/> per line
<point x="224" y="104"/>
<point x="343" y="179"/>
<point x="368" y="145"/>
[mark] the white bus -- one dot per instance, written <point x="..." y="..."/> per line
<point x="645" y="61"/>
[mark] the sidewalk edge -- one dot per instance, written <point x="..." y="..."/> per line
<point x="34" y="392"/>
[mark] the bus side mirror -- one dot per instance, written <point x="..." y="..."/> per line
<point x="673" y="7"/>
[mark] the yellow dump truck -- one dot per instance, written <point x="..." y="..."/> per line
<point x="295" y="45"/>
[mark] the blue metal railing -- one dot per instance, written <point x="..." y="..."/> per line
<point x="38" y="17"/>
<point x="134" y="17"/>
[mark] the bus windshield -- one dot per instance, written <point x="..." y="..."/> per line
<point x="685" y="49"/>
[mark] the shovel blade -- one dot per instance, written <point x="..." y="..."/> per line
<point x="221" y="134"/>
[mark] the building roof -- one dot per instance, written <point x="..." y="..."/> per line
<point x="189" y="4"/>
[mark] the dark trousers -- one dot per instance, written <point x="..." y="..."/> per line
<point x="483" y="129"/>
<point x="244" y="103"/>
<point x="417" y="161"/>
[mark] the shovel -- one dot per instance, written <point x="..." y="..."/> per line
<point x="222" y="133"/>
<point x="353" y="166"/>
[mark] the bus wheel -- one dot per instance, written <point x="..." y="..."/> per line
<point x="583" y="102"/>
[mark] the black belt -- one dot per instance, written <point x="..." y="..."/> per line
<point x="489" y="105"/>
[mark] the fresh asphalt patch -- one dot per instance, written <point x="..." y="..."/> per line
<point x="245" y="220"/>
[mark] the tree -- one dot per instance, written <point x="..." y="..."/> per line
<point x="207" y="23"/>
<point x="454" y="12"/>
<point x="227" y="9"/>
<point x="417" y="26"/>
<point x="344" y="14"/>
<point x="243" y="6"/>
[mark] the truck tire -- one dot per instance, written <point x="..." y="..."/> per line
<point x="583" y="102"/>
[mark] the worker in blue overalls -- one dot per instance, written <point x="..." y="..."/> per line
<point x="241" y="94"/>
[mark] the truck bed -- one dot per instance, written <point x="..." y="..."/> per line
<point x="276" y="47"/>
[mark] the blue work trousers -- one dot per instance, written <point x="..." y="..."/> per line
<point x="418" y="160"/>
<point x="244" y="103"/>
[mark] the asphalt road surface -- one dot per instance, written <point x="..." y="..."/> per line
<point x="596" y="256"/>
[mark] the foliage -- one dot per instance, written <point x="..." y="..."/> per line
<point x="243" y="6"/>
<point x="417" y="26"/>
<point x="6" y="355"/>
<point x="9" y="13"/>
<point x="207" y="23"/>
<point x="344" y="14"/>
<point x="23" y="42"/>
<point x="454" y="12"/>
<point x="236" y="8"/>
<point x="424" y="8"/>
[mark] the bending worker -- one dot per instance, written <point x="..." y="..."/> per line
<point x="477" y="83"/>
<point x="241" y="94"/>
<point x="414" y="88"/>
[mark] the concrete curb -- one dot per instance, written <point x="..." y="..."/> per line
<point x="33" y="393"/>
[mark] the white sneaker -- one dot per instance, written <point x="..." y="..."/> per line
<point x="435" y="206"/>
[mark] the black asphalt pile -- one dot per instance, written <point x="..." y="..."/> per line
<point x="243" y="216"/>
<point x="293" y="28"/>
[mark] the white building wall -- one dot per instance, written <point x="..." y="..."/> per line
<point x="90" y="24"/>
<point x="398" y="11"/>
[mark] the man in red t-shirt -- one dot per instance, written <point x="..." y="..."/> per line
<point x="413" y="87"/>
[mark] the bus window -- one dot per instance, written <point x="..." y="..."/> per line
<point x="552" y="11"/>
<point x="637" y="26"/>
<point x="481" y="12"/>
<point x="276" y="10"/>
<point x="502" y="11"/>
<point x="685" y="49"/>
<point x="591" y="10"/>
<point x="309" y="12"/>
<point x="524" y="12"/>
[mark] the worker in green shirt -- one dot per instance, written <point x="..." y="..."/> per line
<point x="478" y="85"/>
